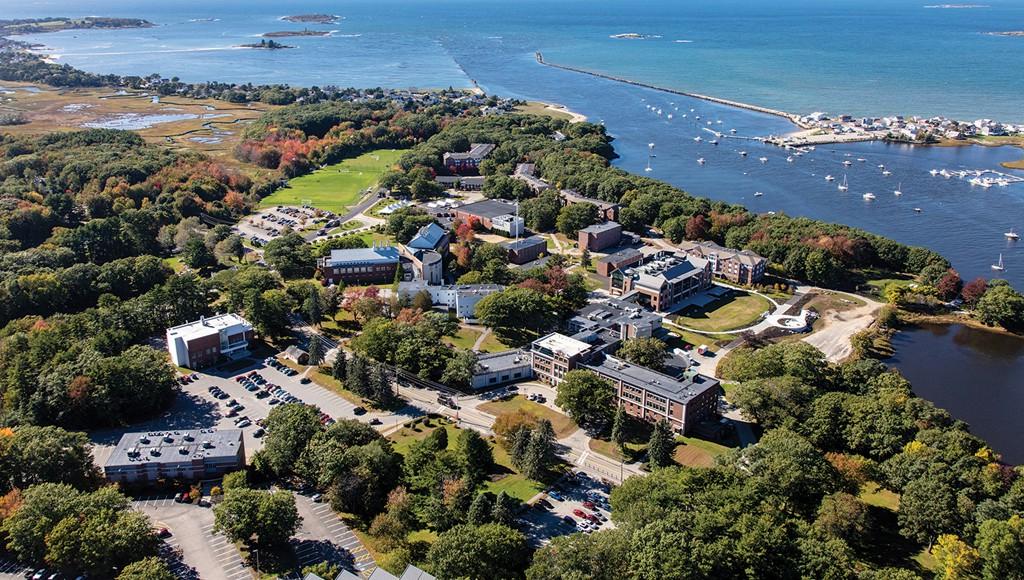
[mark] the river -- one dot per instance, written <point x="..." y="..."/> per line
<point x="977" y="375"/>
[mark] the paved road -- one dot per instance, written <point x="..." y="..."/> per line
<point x="324" y="537"/>
<point x="203" y="553"/>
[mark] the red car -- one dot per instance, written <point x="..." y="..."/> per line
<point x="589" y="505"/>
<point x="592" y="518"/>
<point x="579" y="513"/>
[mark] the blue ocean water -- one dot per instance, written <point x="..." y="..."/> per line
<point x="863" y="57"/>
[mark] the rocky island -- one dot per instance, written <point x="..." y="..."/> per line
<point x="1008" y="33"/>
<point x="304" y="32"/>
<point x="266" y="45"/>
<point x="312" y="18"/>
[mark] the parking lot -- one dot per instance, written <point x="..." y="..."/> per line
<point x="578" y="499"/>
<point x="193" y="550"/>
<point x="10" y="570"/>
<point x="324" y="537"/>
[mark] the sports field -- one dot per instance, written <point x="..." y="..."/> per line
<point x="336" y="187"/>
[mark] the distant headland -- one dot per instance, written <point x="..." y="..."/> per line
<point x="312" y="18"/>
<point x="303" y="32"/>
<point x="54" y="24"/>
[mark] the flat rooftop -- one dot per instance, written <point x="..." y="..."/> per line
<point x="526" y="243"/>
<point x="378" y="255"/>
<point x="682" y="390"/>
<point x="502" y="361"/>
<point x="175" y="446"/>
<point x="612" y="312"/>
<point x="488" y="208"/>
<point x="206" y="326"/>
<point x="602" y="227"/>
<point x="560" y="343"/>
<point x="621" y="255"/>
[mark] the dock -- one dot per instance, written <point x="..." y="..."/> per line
<point x="793" y="118"/>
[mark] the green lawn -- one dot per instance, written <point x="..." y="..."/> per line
<point x="713" y="342"/>
<point x="694" y="452"/>
<point x="467" y="337"/>
<point x="736" y="311"/>
<point x="338" y="186"/>
<point x="406" y="436"/>
<point x="873" y="494"/>
<point x="562" y="424"/>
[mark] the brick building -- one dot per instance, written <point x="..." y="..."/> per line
<point x="737" y="266"/>
<point x="608" y="211"/>
<point x="189" y="455"/>
<point x="374" y="265"/>
<point x="621" y="259"/>
<point x="662" y="280"/>
<point x="468" y="161"/>
<point x="202" y="343"/>
<point x="526" y="250"/>
<point x="600" y="236"/>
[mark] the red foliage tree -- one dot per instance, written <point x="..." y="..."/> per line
<point x="949" y="285"/>
<point x="974" y="290"/>
<point x="697" y="227"/>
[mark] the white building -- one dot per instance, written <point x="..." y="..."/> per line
<point x="203" y="342"/>
<point x="460" y="298"/>
<point x="509" y="224"/>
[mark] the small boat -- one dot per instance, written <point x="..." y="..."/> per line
<point x="733" y="131"/>
<point x="743" y="153"/>
<point x="898" y="190"/>
<point x="945" y="173"/>
<point x="843" y="186"/>
<point x="701" y="161"/>
<point x="886" y="172"/>
<point x="869" y="196"/>
<point x="1012" y="235"/>
<point x="934" y="172"/>
<point x="758" y="194"/>
<point x="790" y="159"/>
<point x="829" y="178"/>
<point x="847" y="163"/>
<point x="697" y="139"/>
<point x="861" y="159"/>
<point x="917" y="210"/>
<point x="998" y="266"/>
<point x="669" y="116"/>
<point x="881" y="166"/>
<point x="697" y="117"/>
<point x="713" y="141"/>
<point x="763" y="159"/>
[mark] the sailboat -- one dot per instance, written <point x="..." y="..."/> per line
<point x="869" y="196"/>
<point x="1012" y="235"/>
<point x="998" y="266"/>
<point x="899" y="189"/>
<point x="700" y="160"/>
<point x="843" y="186"/>
<point x="758" y="194"/>
<point x="829" y="178"/>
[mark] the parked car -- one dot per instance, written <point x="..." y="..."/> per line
<point x="163" y="533"/>
<point x="359" y="411"/>
<point x="317" y="498"/>
<point x="245" y="423"/>
<point x="259" y="432"/>
<point x="579" y="513"/>
<point x="555" y="495"/>
<point x="375" y="421"/>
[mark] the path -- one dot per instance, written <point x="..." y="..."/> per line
<point x="834" y="339"/>
<point x="480" y="339"/>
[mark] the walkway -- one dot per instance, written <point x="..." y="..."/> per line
<point x="834" y="339"/>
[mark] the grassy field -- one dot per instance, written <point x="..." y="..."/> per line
<point x="694" y="452"/>
<point x="467" y="337"/>
<point x="536" y="108"/>
<point x="562" y="424"/>
<point x="338" y="186"/>
<point x="714" y="342"/>
<point x="737" y="311"/>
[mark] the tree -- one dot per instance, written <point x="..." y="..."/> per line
<point x="533" y="450"/>
<point x="268" y="311"/>
<point x="340" y="364"/>
<point x="956" y="560"/>
<point x="842" y="516"/>
<point x="602" y="555"/>
<point x="585" y="259"/>
<point x="290" y="255"/>
<point x="325" y="570"/>
<point x="517" y="314"/>
<point x="257" y="517"/>
<point x="697" y="227"/>
<point x="505" y="508"/>
<point x="619" y="427"/>
<point x="775" y="401"/>
<point x="316" y="350"/>
<point x="1001" y="547"/>
<point x="475" y="456"/>
<point x="661" y="447"/>
<point x="406" y="222"/>
<point x="32" y="455"/>
<point x="574" y="217"/>
<point x="196" y="255"/>
<point x="313" y="306"/>
<point x="974" y="290"/>
<point x="490" y="551"/>
<point x="587" y="398"/>
<point x="152" y="568"/>
<point x="422" y="301"/>
<point x="541" y="212"/>
<point x="458" y="372"/>
<point x="928" y="508"/>
<point x="646" y="352"/>
<point x="949" y="285"/>
<point x="1001" y="305"/>
<point x="289" y="428"/>
<point x="480" y="511"/>
<point x="230" y="248"/>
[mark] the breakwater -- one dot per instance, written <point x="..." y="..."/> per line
<point x="795" y="119"/>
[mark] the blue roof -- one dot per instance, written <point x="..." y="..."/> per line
<point x="428" y="238"/>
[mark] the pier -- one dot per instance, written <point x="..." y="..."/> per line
<point x="795" y="119"/>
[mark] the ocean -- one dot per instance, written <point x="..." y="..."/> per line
<point x="872" y="57"/>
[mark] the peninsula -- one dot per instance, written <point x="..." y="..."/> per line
<point x="303" y="32"/>
<point x="55" y="24"/>
<point x="312" y="18"/>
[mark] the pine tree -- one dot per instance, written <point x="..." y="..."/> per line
<point x="585" y="259"/>
<point x="379" y="384"/>
<point x="314" y="307"/>
<point x="481" y="508"/>
<point x="519" y="443"/>
<point x="357" y="375"/>
<point x="619" y="429"/>
<point x="539" y="449"/>
<point x="340" y="364"/>
<point x="661" y="446"/>
<point x="476" y="457"/>
<point x="505" y="508"/>
<point x="316" y="350"/>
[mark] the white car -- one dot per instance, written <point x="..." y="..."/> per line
<point x="244" y="423"/>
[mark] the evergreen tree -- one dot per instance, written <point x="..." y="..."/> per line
<point x="505" y="508"/>
<point x="316" y="350"/>
<point x="357" y="376"/>
<point x="519" y="444"/>
<point x="476" y="457"/>
<point x="540" y="448"/>
<point x="340" y="364"/>
<point x="661" y="446"/>
<point x="585" y="259"/>
<point x="619" y="428"/>
<point x="380" y="384"/>
<point x="397" y="280"/>
<point x="314" y="307"/>
<point x="481" y="508"/>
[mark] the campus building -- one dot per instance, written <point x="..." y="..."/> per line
<point x="526" y="250"/>
<point x="737" y="266"/>
<point x="662" y="280"/>
<point x="652" y="396"/>
<point x="556" y="354"/>
<point x="430" y="237"/>
<point x="597" y="237"/>
<point x="621" y="259"/>
<point x="494" y="215"/>
<point x="501" y="368"/>
<point x="468" y="161"/>
<point x="606" y="210"/>
<point x="613" y="320"/>
<point x="459" y="298"/>
<point x="374" y="265"/>
<point x="527" y="173"/>
<point x="461" y="182"/>
<point x="189" y="455"/>
<point x="202" y="343"/>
